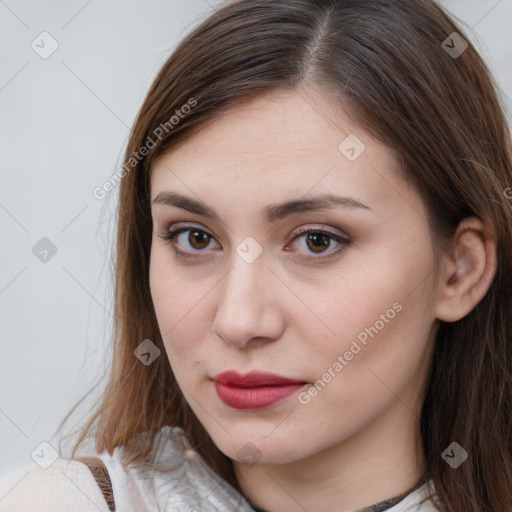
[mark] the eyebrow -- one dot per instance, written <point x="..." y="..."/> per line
<point x="272" y="213"/>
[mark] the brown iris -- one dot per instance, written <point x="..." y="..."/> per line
<point x="319" y="240"/>
<point x="199" y="237"/>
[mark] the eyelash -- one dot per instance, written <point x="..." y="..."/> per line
<point x="171" y="234"/>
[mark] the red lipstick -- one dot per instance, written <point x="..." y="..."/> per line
<point x="254" y="390"/>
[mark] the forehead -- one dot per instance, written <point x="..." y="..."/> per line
<point x="281" y="146"/>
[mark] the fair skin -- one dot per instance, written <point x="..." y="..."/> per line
<point x="294" y="310"/>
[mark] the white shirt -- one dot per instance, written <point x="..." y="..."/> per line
<point x="190" y="486"/>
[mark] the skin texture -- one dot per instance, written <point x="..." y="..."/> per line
<point x="356" y="441"/>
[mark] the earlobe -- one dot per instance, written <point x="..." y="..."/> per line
<point x="469" y="270"/>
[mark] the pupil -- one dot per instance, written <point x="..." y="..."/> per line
<point x="198" y="237"/>
<point x="315" y="238"/>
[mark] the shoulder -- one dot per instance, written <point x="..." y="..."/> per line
<point x="177" y="479"/>
<point x="63" y="486"/>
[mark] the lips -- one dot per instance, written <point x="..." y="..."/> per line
<point x="254" y="390"/>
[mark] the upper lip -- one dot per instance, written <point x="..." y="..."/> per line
<point x="253" y="379"/>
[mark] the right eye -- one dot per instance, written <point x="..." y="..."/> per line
<point x="197" y="240"/>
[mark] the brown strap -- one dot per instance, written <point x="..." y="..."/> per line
<point x="100" y="473"/>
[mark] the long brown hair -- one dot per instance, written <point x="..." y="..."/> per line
<point x="397" y="68"/>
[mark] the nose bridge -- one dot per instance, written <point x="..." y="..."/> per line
<point x="243" y="278"/>
<point x="246" y="306"/>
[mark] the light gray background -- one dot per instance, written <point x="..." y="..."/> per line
<point x="64" y="123"/>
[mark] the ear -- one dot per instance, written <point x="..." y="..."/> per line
<point x="468" y="271"/>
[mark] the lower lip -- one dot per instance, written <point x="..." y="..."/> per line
<point x="255" y="398"/>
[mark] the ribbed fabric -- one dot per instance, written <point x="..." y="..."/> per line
<point x="100" y="474"/>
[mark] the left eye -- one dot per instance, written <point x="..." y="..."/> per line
<point x="316" y="240"/>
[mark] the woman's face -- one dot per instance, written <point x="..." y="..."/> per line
<point x="345" y="312"/>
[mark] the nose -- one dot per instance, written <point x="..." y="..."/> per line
<point x="249" y="310"/>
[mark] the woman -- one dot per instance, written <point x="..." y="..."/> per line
<point x="314" y="260"/>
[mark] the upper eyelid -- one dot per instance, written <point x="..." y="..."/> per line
<point x="298" y="231"/>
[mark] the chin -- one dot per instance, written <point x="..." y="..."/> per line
<point x="256" y="449"/>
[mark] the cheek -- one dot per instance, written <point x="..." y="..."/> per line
<point x="182" y="302"/>
<point x="376" y="317"/>
<point x="173" y="300"/>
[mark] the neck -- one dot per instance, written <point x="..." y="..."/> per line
<point x="382" y="506"/>
<point x="382" y="461"/>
